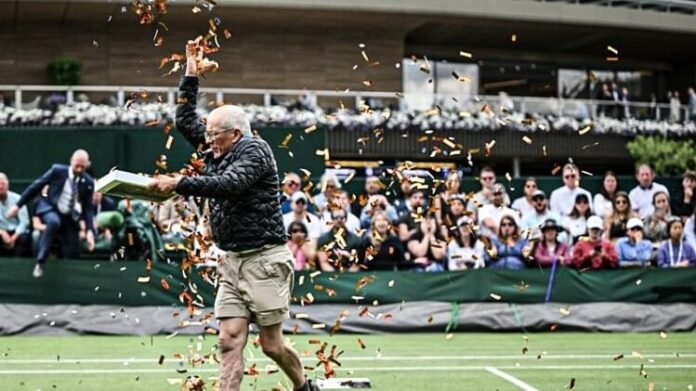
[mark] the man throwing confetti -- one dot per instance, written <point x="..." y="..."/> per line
<point x="256" y="277"/>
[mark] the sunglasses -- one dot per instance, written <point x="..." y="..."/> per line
<point x="339" y="218"/>
<point x="571" y="176"/>
<point x="537" y="199"/>
<point x="621" y="202"/>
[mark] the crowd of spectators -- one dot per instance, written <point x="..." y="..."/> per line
<point x="417" y="226"/>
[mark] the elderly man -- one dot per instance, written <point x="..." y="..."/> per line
<point x="241" y="180"/>
<point x="69" y="200"/>
<point x="12" y="231"/>
<point x="563" y="198"/>
<point x="487" y="178"/>
<point x="641" y="196"/>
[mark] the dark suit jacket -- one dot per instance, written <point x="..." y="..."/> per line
<point x="55" y="178"/>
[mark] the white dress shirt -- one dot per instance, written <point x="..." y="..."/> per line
<point x="641" y="198"/>
<point x="602" y="205"/>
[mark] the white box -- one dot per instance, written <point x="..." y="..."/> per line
<point x="128" y="185"/>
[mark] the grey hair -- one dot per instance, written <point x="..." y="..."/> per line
<point x="3" y="176"/>
<point x="234" y="117"/>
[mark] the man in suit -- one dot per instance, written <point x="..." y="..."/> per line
<point x="68" y="201"/>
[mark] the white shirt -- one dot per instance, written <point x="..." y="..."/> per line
<point x="602" y="205"/>
<point x="458" y="257"/>
<point x="563" y="199"/>
<point x="575" y="227"/>
<point x="352" y="223"/>
<point x="483" y="200"/>
<point x="641" y="199"/>
<point x="313" y="225"/>
<point x="523" y="206"/>
<point x="494" y="213"/>
<point x="66" y="195"/>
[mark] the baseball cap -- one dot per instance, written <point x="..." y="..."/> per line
<point x="464" y="220"/>
<point x="550" y="224"/>
<point x="634" y="222"/>
<point x="595" y="222"/>
<point x="498" y="188"/>
<point x="538" y="193"/>
<point x="298" y="195"/>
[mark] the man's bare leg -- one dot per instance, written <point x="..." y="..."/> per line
<point x="233" y="338"/>
<point x="273" y="346"/>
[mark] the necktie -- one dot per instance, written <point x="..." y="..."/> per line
<point x="73" y="198"/>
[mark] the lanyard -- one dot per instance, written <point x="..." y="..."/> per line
<point x="671" y="253"/>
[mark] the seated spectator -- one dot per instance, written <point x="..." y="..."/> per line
<point x="401" y="200"/>
<point x="549" y="249"/>
<point x="174" y="216"/>
<point x="634" y="250"/>
<point x="489" y="215"/>
<point x="300" y="247"/>
<point x="291" y="184"/>
<point x="509" y="250"/>
<point x="374" y="204"/>
<point x="373" y="186"/>
<point x="465" y="250"/>
<point x="299" y="213"/>
<point x="615" y="222"/>
<point x="656" y="224"/>
<point x="675" y="252"/>
<point x="338" y="248"/>
<point x="563" y="198"/>
<point x="524" y="205"/>
<point x="690" y="230"/>
<point x="593" y="252"/>
<point x="487" y="178"/>
<point x="427" y="247"/>
<point x="576" y="221"/>
<point x="456" y="210"/>
<point x="642" y="195"/>
<point x="603" y="201"/>
<point x="683" y="201"/>
<point x="381" y="249"/>
<point x="14" y="232"/>
<point x="408" y="222"/>
<point x="533" y="220"/>
<point x="441" y="201"/>
<point x="329" y="185"/>
<point x="340" y="201"/>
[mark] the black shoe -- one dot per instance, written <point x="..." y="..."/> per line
<point x="312" y="387"/>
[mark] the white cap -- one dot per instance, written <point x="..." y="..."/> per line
<point x="298" y="195"/>
<point x="595" y="222"/>
<point x="634" y="222"/>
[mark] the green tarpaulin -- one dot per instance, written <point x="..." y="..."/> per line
<point x="116" y="283"/>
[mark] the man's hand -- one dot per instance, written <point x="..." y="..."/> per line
<point x="90" y="241"/>
<point x="191" y="58"/>
<point x="164" y="184"/>
<point x="12" y="212"/>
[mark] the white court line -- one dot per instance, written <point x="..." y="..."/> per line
<point x="355" y="369"/>
<point x="530" y="356"/>
<point x="510" y="379"/>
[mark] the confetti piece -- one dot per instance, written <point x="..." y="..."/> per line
<point x="565" y="311"/>
<point x="543" y="149"/>
<point x="301" y="316"/>
<point x="310" y="129"/>
<point x="144" y="280"/>
<point x="527" y="140"/>
<point x="430" y="319"/>
<point x="449" y="336"/>
<point x="170" y="140"/>
<point x="612" y="49"/>
<point x="319" y="326"/>
<point x="391" y="283"/>
<point x="513" y="38"/>
<point x="161" y="359"/>
<point x="663" y="335"/>
<point x="465" y="54"/>
<point x="496" y="297"/>
<point x="638" y="282"/>
<point x="612" y="59"/>
<point x="364" y="56"/>
<point x="638" y="354"/>
<point x="367" y="83"/>
<point x="584" y="130"/>
<point x="572" y="384"/>
<point x="618" y="357"/>
<point x="361" y="343"/>
<point x="314" y="274"/>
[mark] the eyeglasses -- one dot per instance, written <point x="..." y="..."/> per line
<point x="212" y="135"/>
<point x="569" y="176"/>
<point x="292" y="183"/>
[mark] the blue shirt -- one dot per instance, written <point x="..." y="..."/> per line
<point x="633" y="254"/>
<point x="18" y="224"/>
<point x="669" y="254"/>
<point x="508" y="257"/>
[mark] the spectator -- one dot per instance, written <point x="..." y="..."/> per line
<point x="427" y="247"/>
<point x="14" y="232"/>
<point x="625" y="104"/>
<point x="532" y="221"/>
<point x="634" y="250"/>
<point x="291" y="184"/>
<point x="594" y="252"/>
<point x="491" y="214"/>
<point x="465" y="250"/>
<point x="509" y="250"/>
<point x="69" y="200"/>
<point x="674" y="106"/>
<point x="692" y="104"/>
<point x="329" y="185"/>
<point x="616" y="98"/>
<point x="615" y="222"/>
<point x="401" y="204"/>
<point x="603" y="200"/>
<point x="340" y="201"/>
<point x="683" y="201"/>
<point x="576" y="222"/>
<point x="300" y="246"/>
<point x="373" y="186"/>
<point x="484" y="196"/>
<point x="173" y="216"/>
<point x="642" y="195"/>
<point x="523" y="205"/>
<point x="338" y="248"/>
<point x="408" y="222"/>
<point x="655" y="225"/>
<point x="441" y="201"/>
<point x="563" y="198"/>
<point x="299" y="213"/>
<point x="549" y="249"/>
<point x="690" y="230"/>
<point x="376" y="203"/>
<point x="456" y="210"/>
<point x="674" y="252"/>
<point x="381" y="249"/>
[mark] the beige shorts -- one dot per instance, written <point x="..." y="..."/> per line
<point x="256" y="285"/>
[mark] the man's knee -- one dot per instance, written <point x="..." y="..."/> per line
<point x="230" y="343"/>
<point x="273" y="348"/>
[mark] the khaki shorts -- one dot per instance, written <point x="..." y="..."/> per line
<point x="256" y="285"/>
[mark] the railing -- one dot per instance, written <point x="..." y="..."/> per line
<point x="576" y="108"/>
<point x="669" y="6"/>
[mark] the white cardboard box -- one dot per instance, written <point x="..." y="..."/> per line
<point x="129" y="185"/>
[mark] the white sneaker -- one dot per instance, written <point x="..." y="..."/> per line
<point x="38" y="271"/>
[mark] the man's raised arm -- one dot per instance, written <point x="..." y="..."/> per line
<point x="188" y="122"/>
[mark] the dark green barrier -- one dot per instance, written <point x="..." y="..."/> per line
<point x="83" y="282"/>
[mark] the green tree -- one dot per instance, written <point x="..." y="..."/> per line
<point x="666" y="156"/>
<point x="64" y="71"/>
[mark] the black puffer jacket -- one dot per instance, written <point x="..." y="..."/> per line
<point x="242" y="185"/>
